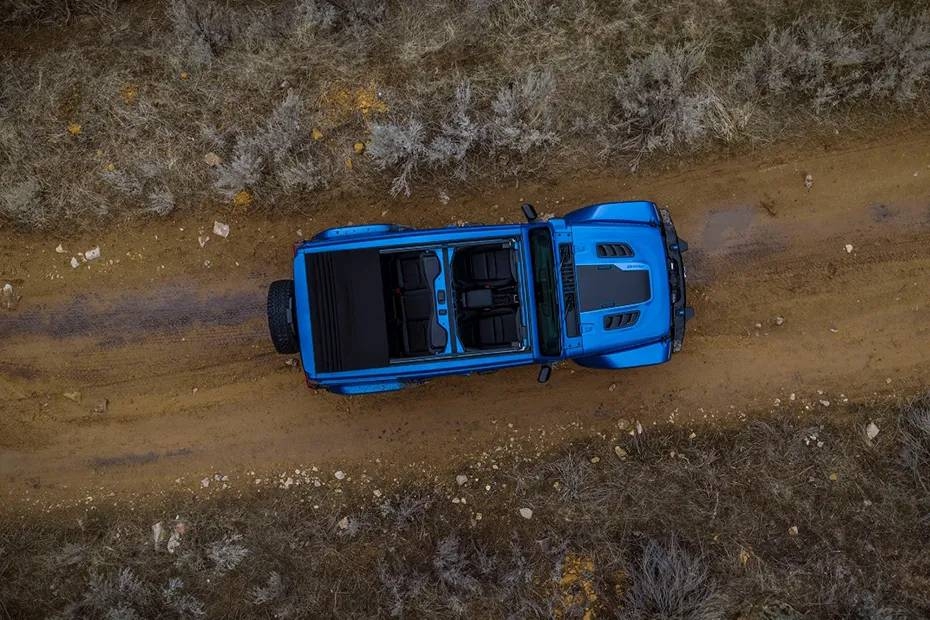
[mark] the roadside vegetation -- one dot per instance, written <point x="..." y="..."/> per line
<point x="802" y="515"/>
<point x="112" y="109"/>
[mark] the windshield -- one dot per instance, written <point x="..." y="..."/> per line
<point x="547" y="305"/>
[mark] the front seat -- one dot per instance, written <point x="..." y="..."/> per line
<point x="490" y="267"/>
<point x="495" y="330"/>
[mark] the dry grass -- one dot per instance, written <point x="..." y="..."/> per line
<point x="109" y="108"/>
<point x="683" y="527"/>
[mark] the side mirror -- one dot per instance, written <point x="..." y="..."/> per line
<point x="545" y="371"/>
<point x="529" y="212"/>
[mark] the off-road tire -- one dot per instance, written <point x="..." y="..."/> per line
<point x="281" y="317"/>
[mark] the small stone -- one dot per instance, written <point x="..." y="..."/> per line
<point x="779" y="320"/>
<point x="340" y="475"/>
<point x="185" y="75"/>
<point x="595" y="460"/>
<point x="92" y="254"/>
<point x="10" y="300"/>
<point x="101" y="406"/>
<point x="871" y="431"/>
<point x="461" y="479"/>
<point x="358" y="147"/>
<point x="59" y="249"/>
<point x="343" y="523"/>
<point x="376" y="493"/>
<point x="613" y="386"/>
<point x="526" y="513"/>
<point x="825" y="403"/>
<point x="849" y="248"/>
<point x="75" y="263"/>
<point x="808" y="181"/>
<point x="220" y="229"/>
<point x="834" y="476"/>
<point x="205" y="483"/>
<point x="758" y="325"/>
<point x="623" y="424"/>
<point x="639" y="428"/>
<point x="212" y="159"/>
<point x="621" y="453"/>
<point x="455" y="500"/>
<point x="158" y="533"/>
<point x="692" y="436"/>
<point x="75" y="396"/>
<point x="793" y="530"/>
<point x="202" y="240"/>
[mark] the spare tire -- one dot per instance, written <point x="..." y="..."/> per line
<point x="281" y="317"/>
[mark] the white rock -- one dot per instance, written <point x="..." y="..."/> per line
<point x="340" y="475"/>
<point x="343" y="523"/>
<point x="174" y="541"/>
<point x="779" y="320"/>
<point x="74" y="262"/>
<point x="808" y="180"/>
<point x="59" y="249"/>
<point x="620" y="452"/>
<point x="92" y="254"/>
<point x="639" y="428"/>
<point x="825" y="403"/>
<point x="871" y="431"/>
<point x="526" y="513"/>
<point x="220" y="229"/>
<point x="158" y="533"/>
<point x="205" y="483"/>
<point x="793" y="530"/>
<point x="202" y="240"/>
<point x="849" y="248"/>
<point x="613" y="386"/>
<point x="461" y="479"/>
<point x="377" y="493"/>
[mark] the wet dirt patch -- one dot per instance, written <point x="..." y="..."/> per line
<point x="137" y="459"/>
<point x="170" y="310"/>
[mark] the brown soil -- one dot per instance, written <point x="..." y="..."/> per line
<point x="180" y="351"/>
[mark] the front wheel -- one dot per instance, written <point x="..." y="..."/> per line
<point x="281" y="317"/>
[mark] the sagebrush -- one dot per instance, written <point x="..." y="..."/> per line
<point x="273" y="105"/>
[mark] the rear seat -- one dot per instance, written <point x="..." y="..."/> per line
<point x="421" y="333"/>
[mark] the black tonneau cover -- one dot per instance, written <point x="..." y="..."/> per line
<point x="347" y="315"/>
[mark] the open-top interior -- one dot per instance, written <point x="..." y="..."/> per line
<point x="487" y="302"/>
<point x="410" y="299"/>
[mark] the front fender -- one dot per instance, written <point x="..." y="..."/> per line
<point x="656" y="353"/>
<point x="630" y="212"/>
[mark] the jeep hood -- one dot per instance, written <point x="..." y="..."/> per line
<point x="622" y="287"/>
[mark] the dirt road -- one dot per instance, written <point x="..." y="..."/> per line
<point x="173" y="335"/>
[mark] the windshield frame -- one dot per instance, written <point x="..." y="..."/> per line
<point x="546" y="290"/>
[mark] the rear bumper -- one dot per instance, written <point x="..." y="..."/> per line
<point x="681" y="312"/>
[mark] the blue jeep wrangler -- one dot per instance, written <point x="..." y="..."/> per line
<point x="377" y="307"/>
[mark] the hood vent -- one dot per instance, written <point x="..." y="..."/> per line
<point x="569" y="292"/>
<point x="614" y="250"/>
<point x="619" y="321"/>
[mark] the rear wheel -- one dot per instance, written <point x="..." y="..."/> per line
<point x="281" y="317"/>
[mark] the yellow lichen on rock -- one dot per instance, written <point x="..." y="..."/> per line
<point x="576" y="586"/>
<point x="342" y="103"/>
<point x="359" y="147"/>
<point x="130" y="94"/>
<point x="316" y="134"/>
<point x="242" y="198"/>
<point x="74" y="128"/>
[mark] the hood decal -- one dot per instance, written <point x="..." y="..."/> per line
<point x="608" y="286"/>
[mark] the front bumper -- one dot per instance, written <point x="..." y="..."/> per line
<point x="681" y="312"/>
